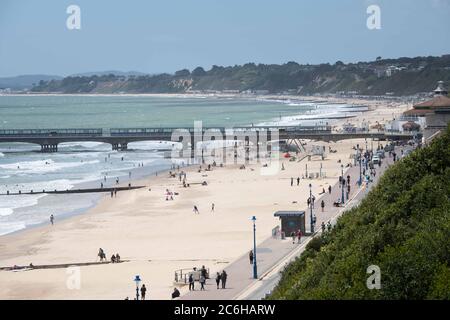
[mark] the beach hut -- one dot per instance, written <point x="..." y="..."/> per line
<point x="291" y="221"/>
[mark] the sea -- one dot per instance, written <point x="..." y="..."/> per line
<point x="87" y="164"/>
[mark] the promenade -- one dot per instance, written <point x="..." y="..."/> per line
<point x="273" y="254"/>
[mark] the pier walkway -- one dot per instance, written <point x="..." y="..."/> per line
<point x="119" y="138"/>
<point x="273" y="254"/>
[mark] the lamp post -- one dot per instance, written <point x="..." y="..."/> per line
<point x="311" y="209"/>
<point x="366" y="156"/>
<point x="137" y="279"/>
<point x="255" y="268"/>
<point x="342" y="182"/>
<point x="360" y="171"/>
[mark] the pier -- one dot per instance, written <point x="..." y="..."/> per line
<point x="119" y="138"/>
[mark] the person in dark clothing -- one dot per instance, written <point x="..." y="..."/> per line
<point x="329" y="189"/>
<point x="292" y="182"/>
<point x="203" y="271"/>
<point x="175" y="293"/>
<point x="224" y="279"/>
<point x="191" y="282"/>
<point x="250" y="256"/>
<point x="298" y="180"/>
<point x="322" y="204"/>
<point x="218" y="278"/>
<point x="143" y="291"/>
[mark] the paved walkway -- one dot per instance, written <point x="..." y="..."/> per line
<point x="273" y="251"/>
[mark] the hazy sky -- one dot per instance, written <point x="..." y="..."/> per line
<point x="167" y="35"/>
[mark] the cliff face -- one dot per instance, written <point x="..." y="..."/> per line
<point x="404" y="76"/>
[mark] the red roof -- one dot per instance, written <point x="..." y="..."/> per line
<point x="437" y="103"/>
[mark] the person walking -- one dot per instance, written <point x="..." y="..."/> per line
<point x="143" y="291"/>
<point x="322" y="204"/>
<point x="212" y="207"/>
<point x="323" y="227"/>
<point x="52" y="219"/>
<point x="329" y="189"/>
<point x="223" y="278"/>
<point x="202" y="282"/>
<point x="293" y="237"/>
<point x="250" y="256"/>
<point x="196" y="210"/>
<point x="299" y="236"/>
<point x="218" y="277"/>
<point x="292" y="182"/>
<point x="191" y="282"/>
<point x="298" y="181"/>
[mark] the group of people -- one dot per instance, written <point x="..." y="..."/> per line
<point x="115" y="258"/>
<point x="292" y="181"/>
<point x="297" y="235"/>
<point x="169" y="195"/>
<point x="220" y="278"/>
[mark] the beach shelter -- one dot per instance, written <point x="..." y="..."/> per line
<point x="291" y="221"/>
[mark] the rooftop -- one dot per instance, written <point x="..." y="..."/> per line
<point x="289" y="213"/>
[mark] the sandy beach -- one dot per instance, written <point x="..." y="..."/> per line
<point x="159" y="236"/>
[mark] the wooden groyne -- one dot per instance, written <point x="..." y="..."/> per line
<point x="88" y="190"/>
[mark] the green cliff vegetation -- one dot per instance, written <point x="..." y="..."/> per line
<point x="403" y="76"/>
<point x="402" y="226"/>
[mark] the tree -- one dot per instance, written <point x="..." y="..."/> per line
<point x="198" y="72"/>
<point x="183" y="73"/>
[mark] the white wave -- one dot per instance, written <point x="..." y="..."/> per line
<point x="1" y="155"/>
<point x="87" y="144"/>
<point x="9" y="203"/>
<point x="42" y="166"/>
<point x="153" y="145"/>
<point x="8" y="227"/>
<point x="6" y="211"/>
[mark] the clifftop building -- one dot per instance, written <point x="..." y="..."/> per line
<point x="436" y="112"/>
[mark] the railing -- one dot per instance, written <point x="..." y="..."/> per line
<point x="49" y="132"/>
<point x="182" y="275"/>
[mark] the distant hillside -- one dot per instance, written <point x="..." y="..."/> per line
<point x="25" y="81"/>
<point x="402" y="226"/>
<point x="104" y="73"/>
<point x="403" y="76"/>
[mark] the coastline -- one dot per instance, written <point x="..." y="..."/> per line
<point x="143" y="217"/>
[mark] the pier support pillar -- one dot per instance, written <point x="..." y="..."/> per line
<point x="49" y="147"/>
